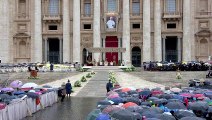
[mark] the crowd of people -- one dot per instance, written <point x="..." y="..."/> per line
<point x="173" y="66"/>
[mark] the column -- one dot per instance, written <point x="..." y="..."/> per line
<point x="126" y="32"/>
<point x="157" y="34"/>
<point x="179" y="49"/>
<point x="76" y="31"/>
<point x="5" y="31"/>
<point x="61" y="50"/>
<point x="66" y="32"/>
<point x="96" y="29"/>
<point x="37" y="46"/>
<point x="186" y="31"/>
<point x="164" y="49"/>
<point x="104" y="47"/>
<point x="46" y="49"/>
<point x="119" y="46"/>
<point x="146" y="31"/>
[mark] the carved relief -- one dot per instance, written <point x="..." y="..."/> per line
<point x="136" y="39"/>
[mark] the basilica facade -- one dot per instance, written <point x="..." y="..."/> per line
<point x="133" y="31"/>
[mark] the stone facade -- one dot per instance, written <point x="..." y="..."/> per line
<point x="64" y="30"/>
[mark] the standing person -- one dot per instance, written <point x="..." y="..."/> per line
<point x="68" y="88"/>
<point x="109" y="86"/>
<point x="51" y="67"/>
<point x="111" y="23"/>
<point x="62" y="93"/>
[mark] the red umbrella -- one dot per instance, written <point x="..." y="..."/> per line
<point x="186" y="95"/>
<point x="128" y="104"/>
<point x="125" y="89"/>
<point x="157" y="92"/>
<point x="198" y="95"/>
<point x="113" y="96"/>
<point x="111" y="108"/>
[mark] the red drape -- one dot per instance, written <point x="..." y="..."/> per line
<point x="111" y="41"/>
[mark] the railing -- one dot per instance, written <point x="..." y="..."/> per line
<point x="51" y="17"/>
<point x="171" y="15"/>
<point x="86" y="15"/>
<point x="202" y="13"/>
<point x="135" y="14"/>
<point x="22" y="16"/>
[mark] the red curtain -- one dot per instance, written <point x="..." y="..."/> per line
<point x="111" y="41"/>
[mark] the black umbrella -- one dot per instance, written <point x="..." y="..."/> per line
<point x="150" y="114"/>
<point x="156" y="110"/>
<point x="153" y="99"/>
<point x="210" y="109"/>
<point x="4" y="96"/>
<point x="145" y="92"/>
<point x="153" y="119"/>
<point x="104" y="102"/>
<point x="126" y="115"/>
<point x="184" y="113"/>
<point x="165" y="117"/>
<point x="199" y="105"/>
<point x="192" y="118"/>
<point x="175" y="105"/>
<point x="166" y="96"/>
<point x="132" y="92"/>
<point x="146" y="103"/>
<point x="123" y="94"/>
<point x="93" y="114"/>
<point x="173" y="100"/>
<point x="32" y="95"/>
<point x="132" y="99"/>
<point x="137" y="109"/>
<point x="160" y="101"/>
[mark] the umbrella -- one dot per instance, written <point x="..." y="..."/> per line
<point x="102" y="107"/>
<point x="165" y="117"/>
<point x="198" y="95"/>
<point x="153" y="98"/>
<point x="125" y="90"/>
<point x="18" y="92"/>
<point x="32" y="95"/>
<point x="199" y="105"/>
<point x="176" y="90"/>
<point x="192" y="118"/>
<point x="210" y="109"/>
<point x="4" y="96"/>
<point x="157" y="92"/>
<point x="110" y="92"/>
<point x="113" y="96"/>
<point x="104" y="102"/>
<point x="93" y="114"/>
<point x="47" y="86"/>
<point x="103" y="117"/>
<point x="175" y="105"/>
<point x="2" y="106"/>
<point x="111" y="108"/>
<point x="156" y="110"/>
<point x="29" y="85"/>
<point x="16" y="84"/>
<point x="126" y="115"/>
<point x="184" y="113"/>
<point x="116" y="100"/>
<point x="132" y="99"/>
<point x="166" y="96"/>
<point x="149" y="114"/>
<point x="128" y="104"/>
<point x="145" y="93"/>
<point x="131" y="92"/>
<point x="137" y="109"/>
<point x="188" y="95"/>
<point x="174" y="100"/>
<point x="160" y="101"/>
<point x="8" y="89"/>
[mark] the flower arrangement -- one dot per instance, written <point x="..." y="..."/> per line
<point x="88" y="75"/>
<point x="77" y="84"/>
<point x="92" y="73"/>
<point x="83" y="79"/>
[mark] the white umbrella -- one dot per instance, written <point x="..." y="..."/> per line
<point x="176" y="90"/>
<point x="29" y="85"/>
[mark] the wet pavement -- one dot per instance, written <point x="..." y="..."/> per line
<point x="79" y="106"/>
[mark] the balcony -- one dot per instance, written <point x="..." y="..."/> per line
<point x="172" y="15"/>
<point x="52" y="18"/>
<point x="204" y="14"/>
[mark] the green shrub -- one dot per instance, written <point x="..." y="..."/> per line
<point x="83" y="79"/>
<point x="77" y="84"/>
<point x="88" y="75"/>
<point x="92" y="73"/>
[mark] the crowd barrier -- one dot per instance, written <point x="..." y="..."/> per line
<point x="20" y="109"/>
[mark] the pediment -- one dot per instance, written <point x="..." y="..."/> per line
<point x="21" y="35"/>
<point x="203" y="33"/>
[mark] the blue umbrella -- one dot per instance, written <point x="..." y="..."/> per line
<point x="103" y="117"/>
<point x="116" y="100"/>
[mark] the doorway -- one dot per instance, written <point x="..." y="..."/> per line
<point x="136" y="57"/>
<point x="111" y="41"/>
<point x="171" y="49"/>
<point x="54" y="50"/>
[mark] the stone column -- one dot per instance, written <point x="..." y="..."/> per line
<point x="164" y="49"/>
<point x="61" y="50"/>
<point x="66" y="32"/>
<point x="126" y="32"/>
<point x="146" y="31"/>
<point x="37" y="46"/>
<point x="179" y="49"/>
<point x="157" y="29"/>
<point x="4" y="31"/>
<point x="186" y="31"/>
<point x="104" y="47"/>
<point x="46" y="49"/>
<point x="96" y="29"/>
<point x="76" y="31"/>
<point x="119" y="46"/>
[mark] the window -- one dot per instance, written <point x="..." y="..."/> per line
<point x="136" y="7"/>
<point x="22" y="7"/>
<point x="87" y="8"/>
<point x="171" y="6"/>
<point x="52" y="27"/>
<point x="53" y="7"/>
<point x="171" y="25"/>
<point x="87" y="26"/>
<point x="111" y="5"/>
<point x="136" y="26"/>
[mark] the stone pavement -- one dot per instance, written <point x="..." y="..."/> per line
<point x="96" y="87"/>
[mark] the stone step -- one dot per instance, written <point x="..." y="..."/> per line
<point x="105" y="68"/>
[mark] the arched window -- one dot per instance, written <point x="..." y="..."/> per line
<point x="136" y="7"/>
<point x="22" y="49"/>
<point x="111" y="5"/>
<point x="171" y="6"/>
<point x="53" y="7"/>
<point x="203" y="47"/>
<point x="87" y="7"/>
